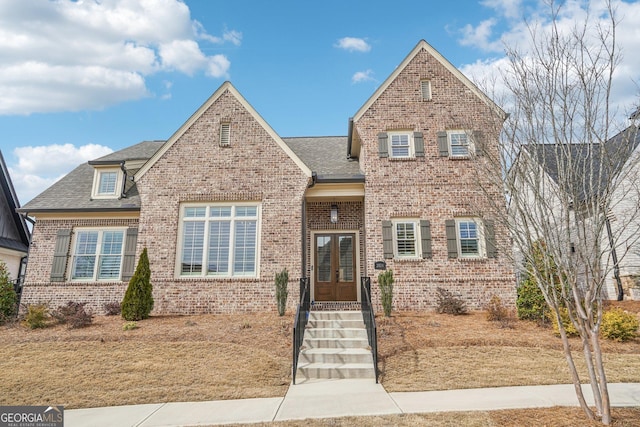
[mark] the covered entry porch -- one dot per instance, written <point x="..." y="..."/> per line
<point x="335" y="245"/>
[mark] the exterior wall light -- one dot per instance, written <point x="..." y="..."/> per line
<point x="334" y="214"/>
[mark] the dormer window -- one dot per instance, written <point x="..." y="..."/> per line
<point x="107" y="183"/>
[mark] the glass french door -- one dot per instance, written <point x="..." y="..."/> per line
<point x="335" y="267"/>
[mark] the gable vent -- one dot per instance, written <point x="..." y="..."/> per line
<point x="225" y="134"/>
<point x="425" y="88"/>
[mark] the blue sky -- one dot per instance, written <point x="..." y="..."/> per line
<point x="79" y="79"/>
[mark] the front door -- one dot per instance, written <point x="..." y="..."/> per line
<point x="335" y="272"/>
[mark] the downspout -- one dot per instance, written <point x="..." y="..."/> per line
<point x="349" y="137"/>
<point x="614" y="256"/>
<point x="124" y="181"/>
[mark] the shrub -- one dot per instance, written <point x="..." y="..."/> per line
<point x="8" y="296"/>
<point x="37" y="316"/>
<point x="282" y="280"/>
<point x="385" y="281"/>
<point x="448" y="303"/>
<point x="112" y="308"/>
<point x="130" y="326"/>
<point x="496" y="311"/>
<point x="74" y="315"/>
<point x="569" y="328"/>
<point x="138" y="299"/>
<point x="619" y="325"/>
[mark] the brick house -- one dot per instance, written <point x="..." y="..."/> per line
<point x="225" y="203"/>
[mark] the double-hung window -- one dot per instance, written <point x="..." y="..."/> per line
<point x="406" y="238"/>
<point x="107" y="183"/>
<point x="219" y="240"/>
<point x="400" y="145"/>
<point x="97" y="254"/>
<point x="458" y="143"/>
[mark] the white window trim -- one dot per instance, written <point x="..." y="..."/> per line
<point x="482" y="250"/>
<point x="418" y="237"/>
<point x="72" y="253"/>
<point x="470" y="144"/>
<point x="409" y="134"/>
<point x="95" y="194"/>
<point x="178" y="265"/>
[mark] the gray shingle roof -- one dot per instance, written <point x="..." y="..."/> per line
<point x="73" y="191"/>
<point x="583" y="170"/>
<point x="327" y="157"/>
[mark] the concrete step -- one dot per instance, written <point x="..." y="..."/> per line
<point x="335" y="324"/>
<point x="335" y="315"/>
<point x="335" y="333"/>
<point x="335" y="370"/>
<point x="336" y="355"/>
<point x="335" y="342"/>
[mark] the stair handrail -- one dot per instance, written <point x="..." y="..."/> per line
<point x="369" y="320"/>
<point x="300" y="322"/>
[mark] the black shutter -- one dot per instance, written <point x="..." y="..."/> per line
<point x="478" y="142"/>
<point x="452" y="241"/>
<point x="60" y="255"/>
<point x="387" y="239"/>
<point x="425" y="236"/>
<point x="383" y="146"/>
<point x="443" y="144"/>
<point x="129" y="259"/>
<point x="418" y="144"/>
<point x="490" y="239"/>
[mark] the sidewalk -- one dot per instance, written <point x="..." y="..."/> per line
<point x="339" y="398"/>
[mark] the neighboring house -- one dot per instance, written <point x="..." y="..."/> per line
<point x="14" y="233"/>
<point x="225" y="203"/>
<point x="586" y="174"/>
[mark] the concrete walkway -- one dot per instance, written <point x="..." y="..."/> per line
<point x="339" y="398"/>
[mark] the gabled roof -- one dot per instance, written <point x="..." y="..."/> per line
<point x="324" y="155"/>
<point x="225" y="87"/>
<point x="18" y="220"/>
<point x="72" y="193"/>
<point x="423" y="45"/>
<point x="570" y="164"/>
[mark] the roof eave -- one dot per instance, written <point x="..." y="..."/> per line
<point x="336" y="179"/>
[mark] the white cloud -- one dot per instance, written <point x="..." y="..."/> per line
<point x="363" y="76"/>
<point x="353" y="44"/>
<point x="39" y="167"/>
<point x="625" y="89"/>
<point x="508" y="8"/>
<point x="480" y="36"/>
<point x="71" y="55"/>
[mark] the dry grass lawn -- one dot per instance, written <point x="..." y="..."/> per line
<point x="194" y="358"/>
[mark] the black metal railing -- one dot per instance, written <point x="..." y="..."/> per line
<point x="369" y="320"/>
<point x="300" y="322"/>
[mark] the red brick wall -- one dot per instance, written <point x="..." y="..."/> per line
<point x="196" y="168"/>
<point x="38" y="289"/>
<point x="433" y="188"/>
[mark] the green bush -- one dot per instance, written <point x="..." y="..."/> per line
<point x="619" y="325"/>
<point x="8" y="297"/>
<point x="569" y="328"/>
<point x="447" y="303"/>
<point x="37" y="316"/>
<point x="138" y="299"/>
<point x="385" y="281"/>
<point x="530" y="303"/>
<point x="282" y="280"/>
<point x="73" y="314"/>
<point x="130" y="326"/>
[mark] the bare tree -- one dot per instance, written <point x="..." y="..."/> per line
<point x="565" y="174"/>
